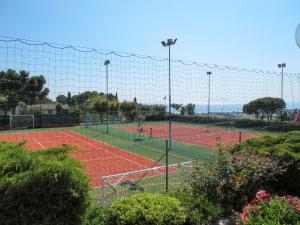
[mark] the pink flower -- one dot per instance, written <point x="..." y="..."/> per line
<point x="254" y="201"/>
<point x="246" y="208"/>
<point x="297" y="208"/>
<point x="244" y="217"/>
<point x="262" y="195"/>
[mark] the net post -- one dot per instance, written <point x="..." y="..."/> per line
<point x="240" y="136"/>
<point x="150" y="132"/>
<point x="167" y="166"/>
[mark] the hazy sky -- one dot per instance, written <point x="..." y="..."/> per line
<point x="255" y="34"/>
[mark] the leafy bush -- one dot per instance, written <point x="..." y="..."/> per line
<point x="264" y="209"/>
<point x="44" y="187"/>
<point x="286" y="149"/>
<point x="199" y="210"/>
<point x="231" y="179"/>
<point x="146" y="209"/>
<point x="96" y="216"/>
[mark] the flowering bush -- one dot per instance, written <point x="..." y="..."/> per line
<point x="264" y="209"/>
<point x="285" y="148"/>
<point x="230" y="179"/>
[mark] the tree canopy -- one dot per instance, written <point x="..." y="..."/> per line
<point x="190" y="109"/>
<point x="98" y="104"/>
<point x="264" y="107"/>
<point x="83" y="100"/>
<point x="20" y="87"/>
<point x="62" y="99"/>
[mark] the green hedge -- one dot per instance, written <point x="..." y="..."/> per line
<point x="266" y="125"/>
<point x="47" y="120"/>
<point x="285" y="147"/>
<point x="59" y="119"/>
<point x="45" y="187"/>
<point x="147" y="209"/>
<point x="230" y="121"/>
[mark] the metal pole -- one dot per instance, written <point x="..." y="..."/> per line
<point x="208" y="104"/>
<point x="106" y="98"/>
<point x="281" y="82"/>
<point x="282" y="65"/>
<point x="281" y="119"/>
<point x="106" y="64"/>
<point x="170" y="123"/>
<point x="167" y="167"/>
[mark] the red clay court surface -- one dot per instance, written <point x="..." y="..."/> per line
<point x="193" y="135"/>
<point x="100" y="159"/>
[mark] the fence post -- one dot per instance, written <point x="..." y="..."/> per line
<point x="167" y="166"/>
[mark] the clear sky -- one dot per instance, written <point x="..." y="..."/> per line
<point x="255" y="34"/>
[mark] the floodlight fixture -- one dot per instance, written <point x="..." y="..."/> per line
<point x="169" y="42"/>
<point x="106" y="62"/>
<point x="281" y="65"/>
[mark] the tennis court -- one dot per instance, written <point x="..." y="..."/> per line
<point x="100" y="159"/>
<point x="202" y="136"/>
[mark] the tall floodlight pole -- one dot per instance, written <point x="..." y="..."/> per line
<point x="168" y="44"/>
<point x="208" y="103"/>
<point x="281" y="66"/>
<point x="106" y="62"/>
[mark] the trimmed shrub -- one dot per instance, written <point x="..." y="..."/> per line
<point x="43" y="187"/>
<point x="147" y="209"/>
<point x="286" y="149"/>
<point x="199" y="210"/>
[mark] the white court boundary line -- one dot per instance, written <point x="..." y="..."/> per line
<point x="95" y="159"/>
<point x="38" y="143"/>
